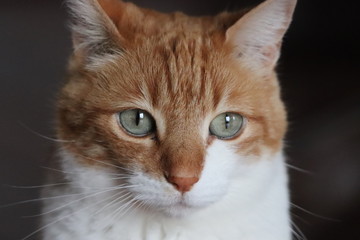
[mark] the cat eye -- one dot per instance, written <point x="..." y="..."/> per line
<point x="137" y="122"/>
<point x="226" y="125"/>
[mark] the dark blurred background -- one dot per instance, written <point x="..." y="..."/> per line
<point x="319" y="72"/>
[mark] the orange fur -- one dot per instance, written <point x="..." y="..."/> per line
<point x="182" y="71"/>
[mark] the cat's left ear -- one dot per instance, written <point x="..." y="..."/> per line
<point x="94" y="31"/>
<point x="256" y="37"/>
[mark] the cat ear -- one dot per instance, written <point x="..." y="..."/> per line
<point x="257" y="36"/>
<point x="93" y="31"/>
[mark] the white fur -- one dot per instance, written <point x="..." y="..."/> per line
<point x="236" y="198"/>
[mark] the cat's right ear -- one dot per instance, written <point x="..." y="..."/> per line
<point x="94" y="32"/>
<point x="256" y="37"/>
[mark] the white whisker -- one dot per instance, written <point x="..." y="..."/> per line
<point x="125" y="208"/>
<point x="122" y="206"/>
<point x="300" y="218"/>
<point x="314" y="214"/>
<point x="297" y="236"/>
<point x="78" y="200"/>
<point x="37" y="186"/>
<point x="108" y="164"/>
<point x="76" y="173"/>
<point x="118" y="178"/>
<point x="137" y="206"/>
<point x="43" y="136"/>
<point x="113" y="202"/>
<point x="39" y="199"/>
<point x="298" y="169"/>
<point x="297" y="231"/>
<point x="61" y="196"/>
<point x="62" y="218"/>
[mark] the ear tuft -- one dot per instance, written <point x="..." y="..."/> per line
<point x="257" y="36"/>
<point x="94" y="34"/>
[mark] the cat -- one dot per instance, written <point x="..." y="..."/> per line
<point x="170" y="127"/>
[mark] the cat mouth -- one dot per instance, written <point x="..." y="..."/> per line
<point x="182" y="207"/>
<point x="178" y="208"/>
<point x="183" y="204"/>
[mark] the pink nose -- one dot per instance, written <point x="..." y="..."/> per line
<point x="182" y="184"/>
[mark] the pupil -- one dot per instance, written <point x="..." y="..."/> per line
<point x="227" y="121"/>
<point x="139" y="116"/>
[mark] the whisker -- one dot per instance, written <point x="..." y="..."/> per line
<point x="58" y="170"/>
<point x="138" y="206"/>
<point x="102" y="162"/>
<point x="39" y="199"/>
<point x="119" y="209"/>
<point x="128" y="206"/>
<point x="297" y="231"/>
<point x="62" y="218"/>
<point x="299" y="169"/>
<point x="76" y="173"/>
<point x="118" y="178"/>
<point x="36" y="186"/>
<point x="297" y="236"/>
<point x="77" y="200"/>
<point x="113" y="202"/>
<point x="43" y="136"/>
<point x="108" y="164"/>
<point x="314" y="214"/>
<point x="300" y="218"/>
<point x="146" y="206"/>
<point x="61" y="196"/>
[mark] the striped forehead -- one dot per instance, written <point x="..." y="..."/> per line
<point x="188" y="77"/>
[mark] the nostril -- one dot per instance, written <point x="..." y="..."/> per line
<point x="182" y="184"/>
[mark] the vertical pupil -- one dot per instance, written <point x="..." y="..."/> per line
<point x="139" y="117"/>
<point x="227" y="121"/>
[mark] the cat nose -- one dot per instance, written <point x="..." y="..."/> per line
<point x="182" y="184"/>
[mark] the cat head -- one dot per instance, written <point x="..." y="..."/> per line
<point x="182" y="103"/>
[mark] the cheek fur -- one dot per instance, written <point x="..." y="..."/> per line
<point x="152" y="191"/>
<point x="220" y="164"/>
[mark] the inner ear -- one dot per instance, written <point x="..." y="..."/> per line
<point x="114" y="9"/>
<point x="256" y="37"/>
<point x="95" y="35"/>
<point x="125" y="16"/>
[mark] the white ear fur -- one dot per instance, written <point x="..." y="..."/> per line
<point x="257" y="36"/>
<point x="93" y="32"/>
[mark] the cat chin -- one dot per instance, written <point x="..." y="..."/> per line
<point x="182" y="208"/>
<point x="179" y="211"/>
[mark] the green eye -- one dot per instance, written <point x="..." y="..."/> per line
<point x="137" y="122"/>
<point x="226" y="125"/>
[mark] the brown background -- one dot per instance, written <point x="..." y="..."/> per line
<point x="319" y="72"/>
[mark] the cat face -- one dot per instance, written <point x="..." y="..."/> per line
<point x="183" y="104"/>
